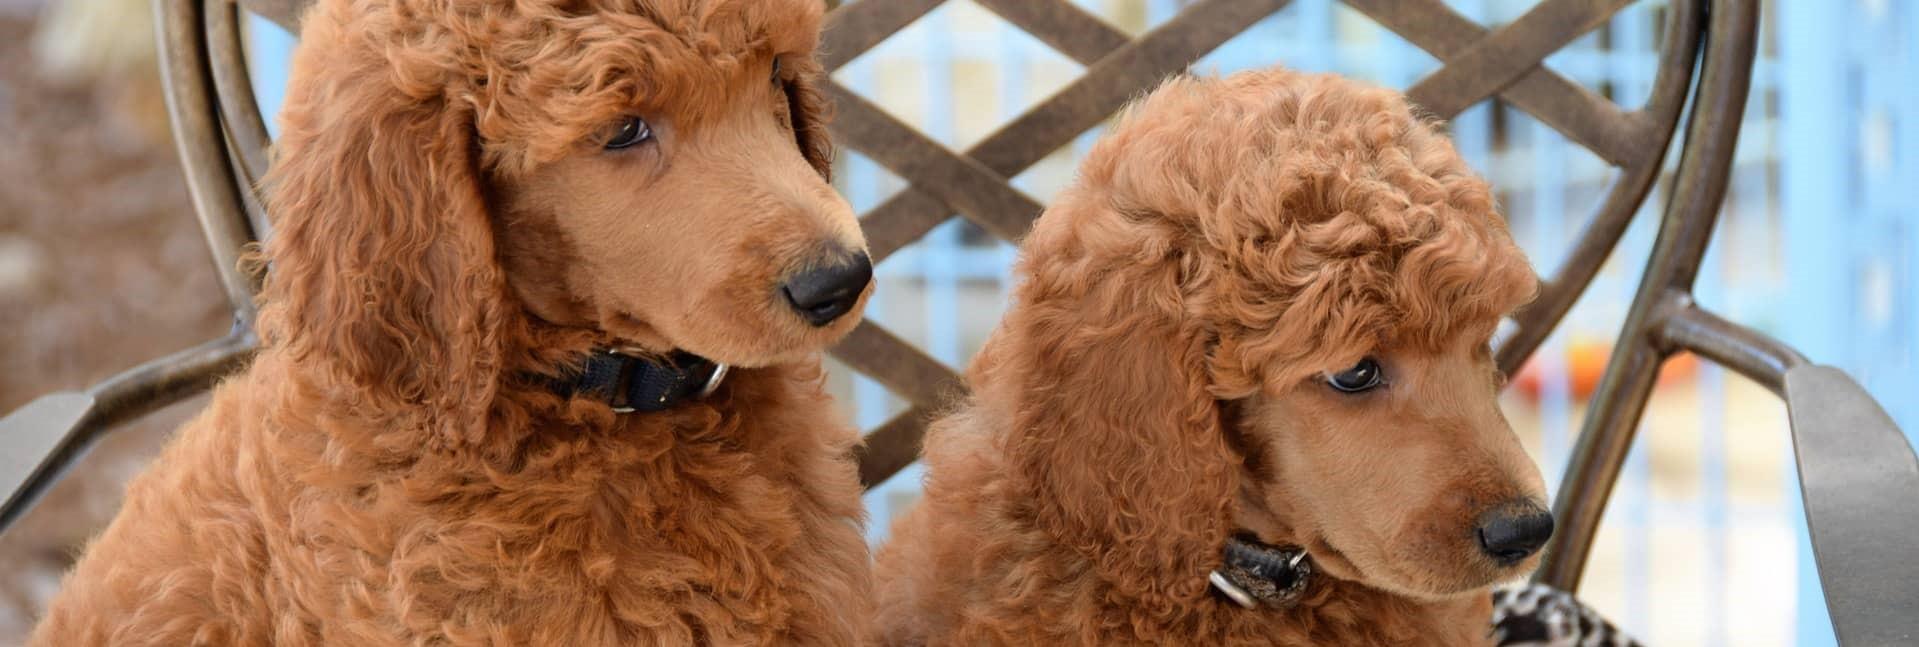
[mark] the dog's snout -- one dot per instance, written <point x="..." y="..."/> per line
<point x="822" y="294"/>
<point x="1514" y="531"/>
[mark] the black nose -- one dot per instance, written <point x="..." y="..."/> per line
<point x="822" y="294"/>
<point x="1514" y="531"/>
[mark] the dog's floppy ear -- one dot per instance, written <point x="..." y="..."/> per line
<point x="383" y="278"/>
<point x="1115" y="428"/>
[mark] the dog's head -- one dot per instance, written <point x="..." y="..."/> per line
<point x="662" y="175"/>
<point x="453" y="177"/>
<point x="1267" y="307"/>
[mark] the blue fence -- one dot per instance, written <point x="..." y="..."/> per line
<point x="1817" y="246"/>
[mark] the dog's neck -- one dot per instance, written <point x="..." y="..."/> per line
<point x="1264" y="564"/>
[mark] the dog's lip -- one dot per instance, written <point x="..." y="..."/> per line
<point x="1316" y="546"/>
<point x="1324" y="552"/>
<point x="625" y="332"/>
<point x="622" y="329"/>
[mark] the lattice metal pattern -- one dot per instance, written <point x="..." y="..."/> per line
<point x="1477" y="64"/>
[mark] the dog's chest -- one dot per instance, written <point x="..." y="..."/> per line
<point x="682" y="543"/>
<point x="703" y="529"/>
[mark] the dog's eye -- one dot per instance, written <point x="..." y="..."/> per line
<point x="632" y="131"/>
<point x="1364" y="376"/>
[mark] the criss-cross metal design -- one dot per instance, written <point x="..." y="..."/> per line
<point x="1858" y="474"/>
<point x="1479" y="63"/>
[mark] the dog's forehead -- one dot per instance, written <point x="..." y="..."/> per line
<point x="729" y="27"/>
<point x="555" y="74"/>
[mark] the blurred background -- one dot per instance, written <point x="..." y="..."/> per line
<point x="102" y="265"/>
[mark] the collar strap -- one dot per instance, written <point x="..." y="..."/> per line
<point x="630" y="381"/>
<point x="1255" y="574"/>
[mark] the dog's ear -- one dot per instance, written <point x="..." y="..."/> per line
<point x="1114" y="426"/>
<point x="383" y="280"/>
<point x="811" y="112"/>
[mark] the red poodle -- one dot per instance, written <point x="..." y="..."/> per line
<point x="518" y="248"/>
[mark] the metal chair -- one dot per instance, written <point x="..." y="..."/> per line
<point x="1858" y="473"/>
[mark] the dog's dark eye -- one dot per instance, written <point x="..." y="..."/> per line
<point x="633" y="131"/>
<point x="1364" y="376"/>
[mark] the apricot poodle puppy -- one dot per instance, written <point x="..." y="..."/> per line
<point x="517" y="248"/>
<point x="1244" y="395"/>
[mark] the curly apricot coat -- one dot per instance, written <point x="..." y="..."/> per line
<point x="1159" y="385"/>
<point x="450" y="234"/>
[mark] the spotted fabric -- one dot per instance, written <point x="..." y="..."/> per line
<point x="1536" y="615"/>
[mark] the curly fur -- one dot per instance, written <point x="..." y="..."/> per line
<point x="449" y="235"/>
<point x="1158" y="386"/>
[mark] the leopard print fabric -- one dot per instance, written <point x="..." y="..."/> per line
<point x="1536" y="615"/>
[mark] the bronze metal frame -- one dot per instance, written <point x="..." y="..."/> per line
<point x="1862" y="505"/>
<point x="202" y="140"/>
<point x="67" y="424"/>
<point x="1860" y="478"/>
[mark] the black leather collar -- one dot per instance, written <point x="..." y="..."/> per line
<point x="1257" y="574"/>
<point x="631" y="381"/>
